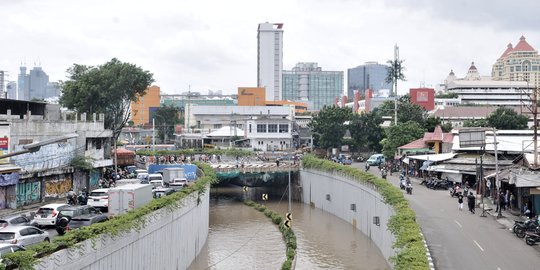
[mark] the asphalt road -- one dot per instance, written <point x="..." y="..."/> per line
<point x="461" y="240"/>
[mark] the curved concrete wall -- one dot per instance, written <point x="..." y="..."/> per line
<point x="335" y="193"/>
<point x="171" y="239"/>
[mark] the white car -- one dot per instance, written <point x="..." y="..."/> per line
<point x="9" y="248"/>
<point x="99" y="198"/>
<point x="23" y="235"/>
<point x="46" y="215"/>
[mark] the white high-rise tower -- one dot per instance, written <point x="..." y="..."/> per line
<point x="270" y="59"/>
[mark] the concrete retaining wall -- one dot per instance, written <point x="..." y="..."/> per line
<point x="335" y="193"/>
<point x="171" y="239"/>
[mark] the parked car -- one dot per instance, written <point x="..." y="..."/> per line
<point x="376" y="159"/>
<point x="77" y="216"/>
<point x="18" y="220"/>
<point x="159" y="192"/>
<point x="99" y="198"/>
<point x="46" y="215"/>
<point x="23" y="235"/>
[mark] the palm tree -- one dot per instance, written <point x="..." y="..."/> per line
<point x="394" y="72"/>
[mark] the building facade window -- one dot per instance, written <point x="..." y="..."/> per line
<point x="283" y="128"/>
<point x="217" y="125"/>
<point x="272" y="128"/>
<point x="261" y="128"/>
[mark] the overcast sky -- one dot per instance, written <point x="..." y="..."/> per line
<point x="212" y="45"/>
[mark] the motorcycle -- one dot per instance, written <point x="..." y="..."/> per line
<point x="520" y="228"/>
<point x="367" y="167"/>
<point x="409" y="189"/>
<point x="532" y="238"/>
<point x="402" y="184"/>
<point x="454" y="191"/>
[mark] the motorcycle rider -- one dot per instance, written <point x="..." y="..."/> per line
<point x="384" y="173"/>
<point x="367" y="167"/>
<point x="409" y="188"/>
<point x="83" y="199"/>
<point x="72" y="197"/>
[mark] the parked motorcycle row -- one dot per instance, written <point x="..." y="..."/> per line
<point x="437" y="184"/>
<point x="528" y="229"/>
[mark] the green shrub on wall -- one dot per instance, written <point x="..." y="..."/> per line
<point x="288" y="234"/>
<point x="411" y="253"/>
<point x="114" y="226"/>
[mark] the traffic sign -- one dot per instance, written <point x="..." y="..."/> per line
<point x="245" y="188"/>
<point x="265" y="197"/>
<point x="289" y="216"/>
<point x="288" y="224"/>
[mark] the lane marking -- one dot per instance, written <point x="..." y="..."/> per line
<point x="458" y="224"/>
<point x="478" y="245"/>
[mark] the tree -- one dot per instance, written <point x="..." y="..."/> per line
<point x="475" y="123"/>
<point x="329" y="125"/>
<point x="394" y="73"/>
<point x="407" y="111"/>
<point x="107" y="89"/>
<point x="166" y="118"/>
<point x="431" y="122"/>
<point x="366" y="130"/>
<point x="399" y="135"/>
<point x="507" y="118"/>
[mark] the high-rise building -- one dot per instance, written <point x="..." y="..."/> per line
<point x="142" y="110"/>
<point x="35" y="85"/>
<point x="307" y="82"/>
<point x="371" y="75"/>
<point x="11" y="89"/>
<point x="519" y="63"/>
<point x="270" y="59"/>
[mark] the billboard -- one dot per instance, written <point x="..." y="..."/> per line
<point x="472" y="137"/>
<point x="4" y="142"/>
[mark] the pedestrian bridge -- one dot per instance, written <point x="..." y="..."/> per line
<point x="255" y="174"/>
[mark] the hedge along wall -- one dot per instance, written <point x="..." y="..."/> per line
<point x="374" y="197"/>
<point x="167" y="233"/>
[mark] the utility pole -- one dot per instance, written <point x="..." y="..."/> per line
<point x="535" y="125"/>
<point x="499" y="215"/>
<point x="396" y="59"/>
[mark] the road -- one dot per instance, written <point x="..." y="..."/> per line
<point x="461" y="240"/>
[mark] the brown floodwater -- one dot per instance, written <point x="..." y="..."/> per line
<point x="241" y="237"/>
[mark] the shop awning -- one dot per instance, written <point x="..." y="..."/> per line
<point x="434" y="157"/>
<point x="532" y="180"/>
<point x="441" y="168"/>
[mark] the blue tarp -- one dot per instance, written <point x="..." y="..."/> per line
<point x="190" y="170"/>
<point x="9" y="179"/>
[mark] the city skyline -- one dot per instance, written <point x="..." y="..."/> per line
<point x="188" y="45"/>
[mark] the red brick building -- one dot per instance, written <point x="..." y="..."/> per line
<point x="424" y="97"/>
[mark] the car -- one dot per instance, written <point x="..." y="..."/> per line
<point x="77" y="216"/>
<point x="178" y="183"/>
<point x="10" y="248"/>
<point x="17" y="220"/>
<point x="159" y="192"/>
<point x="376" y="159"/>
<point x="99" y="198"/>
<point x="46" y="215"/>
<point x="143" y="178"/>
<point x="23" y="235"/>
<point x="131" y="169"/>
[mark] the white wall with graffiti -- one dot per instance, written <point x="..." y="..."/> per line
<point x="50" y="156"/>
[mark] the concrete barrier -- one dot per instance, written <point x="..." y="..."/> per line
<point x="170" y="239"/>
<point x="356" y="203"/>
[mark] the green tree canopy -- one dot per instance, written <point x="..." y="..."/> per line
<point x="329" y="125"/>
<point x="507" y="118"/>
<point x="446" y="95"/>
<point x="107" y="89"/>
<point x="166" y="118"/>
<point x="431" y="122"/>
<point x="399" y="135"/>
<point x="366" y="130"/>
<point x="475" y="123"/>
<point x="407" y="111"/>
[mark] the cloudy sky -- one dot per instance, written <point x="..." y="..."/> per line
<point x="212" y="45"/>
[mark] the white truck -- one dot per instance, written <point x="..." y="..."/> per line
<point x="172" y="173"/>
<point x="128" y="197"/>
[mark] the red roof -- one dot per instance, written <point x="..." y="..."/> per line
<point x="507" y="51"/>
<point x="523" y="45"/>
<point x="418" y="144"/>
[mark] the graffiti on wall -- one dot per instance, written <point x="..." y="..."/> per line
<point x="3" y="191"/>
<point x="28" y="192"/>
<point x="57" y="186"/>
<point x="94" y="178"/>
<point x="48" y="157"/>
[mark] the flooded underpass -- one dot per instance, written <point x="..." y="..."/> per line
<point x="241" y="237"/>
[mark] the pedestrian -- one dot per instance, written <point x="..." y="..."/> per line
<point x="460" y="201"/>
<point x="501" y="201"/>
<point x="471" y="201"/>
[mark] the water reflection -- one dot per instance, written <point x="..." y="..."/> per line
<point x="243" y="238"/>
